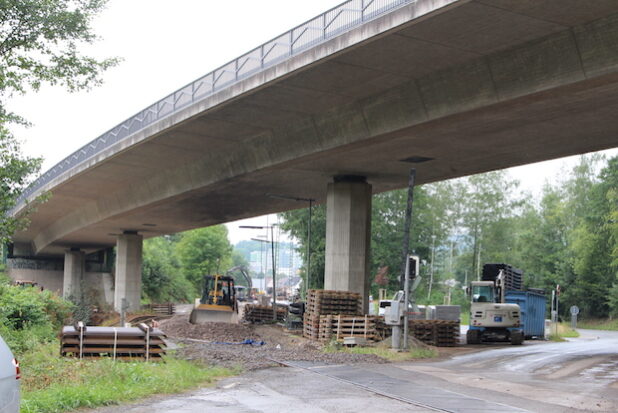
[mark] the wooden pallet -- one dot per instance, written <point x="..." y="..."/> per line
<point x="328" y="302"/>
<point x="163" y="308"/>
<point x="311" y="332"/>
<point x="439" y="333"/>
<point x="262" y="313"/>
<point x="331" y="294"/>
<point x="341" y="326"/>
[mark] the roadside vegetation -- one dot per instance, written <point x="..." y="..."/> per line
<point x="414" y="353"/>
<point x="30" y="320"/>
<point x="30" y="317"/>
<point x="564" y="331"/>
<point x="54" y="384"/>
<point x="599" y="324"/>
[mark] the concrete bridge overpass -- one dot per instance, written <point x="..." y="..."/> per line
<point x="336" y="109"/>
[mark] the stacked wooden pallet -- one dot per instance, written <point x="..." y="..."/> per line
<point x="441" y="333"/>
<point x="164" y="308"/>
<point x="262" y="313"/>
<point x="340" y="326"/>
<point x="126" y="343"/>
<point x="328" y="302"/>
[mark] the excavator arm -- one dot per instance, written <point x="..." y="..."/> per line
<point x="243" y="270"/>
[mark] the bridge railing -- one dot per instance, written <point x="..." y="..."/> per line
<point x="327" y="25"/>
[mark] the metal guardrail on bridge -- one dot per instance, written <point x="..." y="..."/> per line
<point x="333" y="22"/>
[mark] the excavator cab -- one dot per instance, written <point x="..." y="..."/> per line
<point x="218" y="301"/>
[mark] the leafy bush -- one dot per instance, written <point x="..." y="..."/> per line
<point x="29" y="316"/>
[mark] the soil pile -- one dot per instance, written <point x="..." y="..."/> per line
<point x="215" y="345"/>
<point x="179" y="327"/>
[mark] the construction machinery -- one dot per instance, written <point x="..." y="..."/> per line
<point x="218" y="302"/>
<point x="491" y="317"/>
<point x="243" y="293"/>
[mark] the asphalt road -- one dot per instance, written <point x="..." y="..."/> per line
<point x="579" y="375"/>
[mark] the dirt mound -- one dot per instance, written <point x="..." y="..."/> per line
<point x="179" y="327"/>
<point x="278" y="345"/>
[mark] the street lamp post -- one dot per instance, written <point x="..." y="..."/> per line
<point x="311" y="201"/>
<point x="272" y="245"/>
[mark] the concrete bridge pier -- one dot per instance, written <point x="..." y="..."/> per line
<point x="348" y="236"/>
<point x="128" y="283"/>
<point x="74" y="270"/>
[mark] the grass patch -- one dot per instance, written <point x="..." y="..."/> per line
<point x="598" y="324"/>
<point x="465" y="318"/>
<point x="564" y="331"/>
<point x="55" y="384"/>
<point x="385" y="353"/>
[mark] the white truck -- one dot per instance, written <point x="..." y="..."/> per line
<point x="491" y="318"/>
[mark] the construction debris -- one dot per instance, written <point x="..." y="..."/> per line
<point x="262" y="313"/>
<point x="440" y="333"/>
<point x="126" y="343"/>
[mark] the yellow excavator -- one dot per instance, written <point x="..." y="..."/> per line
<point x="218" y="302"/>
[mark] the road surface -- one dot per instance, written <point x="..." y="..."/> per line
<point x="575" y="376"/>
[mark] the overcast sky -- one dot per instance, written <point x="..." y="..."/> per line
<point x="165" y="45"/>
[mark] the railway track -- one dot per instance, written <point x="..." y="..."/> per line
<point x="367" y="388"/>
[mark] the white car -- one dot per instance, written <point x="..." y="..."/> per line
<point x="9" y="380"/>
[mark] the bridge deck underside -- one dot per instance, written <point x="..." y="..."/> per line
<point x="474" y="86"/>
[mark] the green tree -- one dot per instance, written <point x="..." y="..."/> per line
<point x="296" y="223"/>
<point x="542" y="245"/>
<point x="592" y="243"/>
<point x="488" y="202"/>
<point x="204" y="251"/>
<point x="15" y="172"/>
<point x="568" y="240"/>
<point x="39" y="43"/>
<point x="162" y="280"/>
<point x="388" y="216"/>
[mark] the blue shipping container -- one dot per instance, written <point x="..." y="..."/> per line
<point x="532" y="307"/>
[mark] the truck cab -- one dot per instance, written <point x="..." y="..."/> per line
<point x="490" y="318"/>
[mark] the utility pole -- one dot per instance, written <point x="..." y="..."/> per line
<point x="308" y="273"/>
<point x="406" y="228"/>
<point x="450" y="264"/>
<point x="311" y="201"/>
<point x="272" y="244"/>
<point x="478" y="263"/>
<point x="433" y="248"/>
<point x="272" y="248"/>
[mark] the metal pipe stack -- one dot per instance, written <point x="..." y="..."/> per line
<point x="126" y="343"/>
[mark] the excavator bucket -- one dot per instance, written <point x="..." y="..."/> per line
<point x="213" y="313"/>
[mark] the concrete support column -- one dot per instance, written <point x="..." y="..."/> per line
<point x="74" y="270"/>
<point x="348" y="234"/>
<point x="128" y="282"/>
